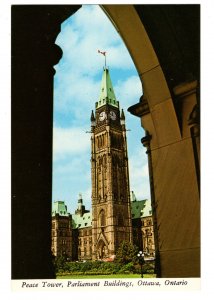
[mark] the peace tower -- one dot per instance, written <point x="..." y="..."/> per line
<point x="111" y="213"/>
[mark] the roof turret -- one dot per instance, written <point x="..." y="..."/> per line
<point x="122" y="116"/>
<point x="60" y="208"/>
<point x="92" y="116"/>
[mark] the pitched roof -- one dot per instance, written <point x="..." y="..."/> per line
<point x="60" y="208"/>
<point x="107" y="94"/>
<point x="81" y="222"/>
<point x="141" y="208"/>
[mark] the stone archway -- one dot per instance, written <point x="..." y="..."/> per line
<point x="102" y="249"/>
<point x="170" y="84"/>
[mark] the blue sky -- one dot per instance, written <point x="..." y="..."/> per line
<point x="76" y="89"/>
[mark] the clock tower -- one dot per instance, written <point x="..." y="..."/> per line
<point x="111" y="213"/>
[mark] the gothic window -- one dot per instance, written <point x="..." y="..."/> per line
<point x="120" y="220"/>
<point x="104" y="160"/>
<point x="79" y="252"/>
<point x="102" y="218"/>
<point x="103" y="140"/>
<point x="104" y="136"/>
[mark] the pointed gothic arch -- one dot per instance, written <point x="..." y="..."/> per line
<point x="120" y="220"/>
<point x="102" y="249"/>
<point x="102" y="218"/>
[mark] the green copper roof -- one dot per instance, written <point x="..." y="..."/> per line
<point x="81" y="222"/>
<point x="60" y="208"/>
<point x="141" y="209"/>
<point x="107" y="95"/>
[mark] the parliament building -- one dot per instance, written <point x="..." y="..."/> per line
<point x="116" y="214"/>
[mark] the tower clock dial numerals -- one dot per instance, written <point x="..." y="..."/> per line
<point x="112" y="115"/>
<point x="102" y="116"/>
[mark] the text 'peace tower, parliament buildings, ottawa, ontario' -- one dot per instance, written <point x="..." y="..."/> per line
<point x="116" y="214"/>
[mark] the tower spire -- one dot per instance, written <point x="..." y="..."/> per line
<point x="92" y="117"/>
<point x="107" y="95"/>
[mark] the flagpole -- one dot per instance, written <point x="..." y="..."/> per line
<point x="104" y="54"/>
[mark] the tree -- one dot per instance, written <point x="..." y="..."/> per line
<point x="126" y="253"/>
<point x="60" y="263"/>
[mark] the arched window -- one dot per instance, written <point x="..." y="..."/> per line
<point x="120" y="220"/>
<point x="79" y="253"/>
<point x="102" y="218"/>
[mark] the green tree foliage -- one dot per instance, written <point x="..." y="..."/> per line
<point x="60" y="263"/>
<point x="126" y="253"/>
<point x="100" y="267"/>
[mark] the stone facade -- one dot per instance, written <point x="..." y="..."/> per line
<point x="114" y="218"/>
<point x="111" y="213"/>
<point x="79" y="240"/>
<point x="61" y="230"/>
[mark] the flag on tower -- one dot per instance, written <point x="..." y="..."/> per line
<point x="102" y="52"/>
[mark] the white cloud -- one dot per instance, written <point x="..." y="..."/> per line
<point x="89" y="31"/>
<point x="75" y="93"/>
<point x="128" y="91"/>
<point x="76" y="89"/>
<point x="76" y="76"/>
<point x="139" y="175"/>
<point x="68" y="141"/>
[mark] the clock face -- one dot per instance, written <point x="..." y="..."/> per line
<point x="112" y="115"/>
<point x="102" y="116"/>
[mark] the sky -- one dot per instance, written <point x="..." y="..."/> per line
<point x="76" y="89"/>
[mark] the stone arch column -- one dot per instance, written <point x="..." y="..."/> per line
<point x="160" y="46"/>
<point x="34" y="54"/>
